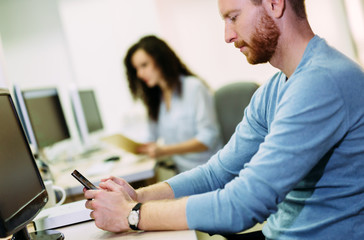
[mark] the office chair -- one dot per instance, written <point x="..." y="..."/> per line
<point x="230" y="102"/>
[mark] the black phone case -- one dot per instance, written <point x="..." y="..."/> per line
<point x="88" y="185"/>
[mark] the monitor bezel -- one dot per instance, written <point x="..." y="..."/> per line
<point x="24" y="117"/>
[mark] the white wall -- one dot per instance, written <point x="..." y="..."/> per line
<point x="84" y="41"/>
<point x="196" y="31"/>
<point x="34" y="48"/>
<point x="98" y="34"/>
<point x="34" y="45"/>
<point x="355" y="14"/>
<point x="328" y="19"/>
<point x="4" y="82"/>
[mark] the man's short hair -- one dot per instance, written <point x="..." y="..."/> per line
<point x="298" y="7"/>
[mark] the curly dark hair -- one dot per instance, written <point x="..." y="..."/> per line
<point x="170" y="65"/>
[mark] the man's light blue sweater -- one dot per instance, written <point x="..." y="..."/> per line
<point x="295" y="160"/>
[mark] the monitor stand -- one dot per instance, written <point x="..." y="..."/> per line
<point x="38" y="235"/>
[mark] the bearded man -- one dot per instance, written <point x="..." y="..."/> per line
<point x="296" y="159"/>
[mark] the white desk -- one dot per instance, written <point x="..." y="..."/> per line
<point x="89" y="231"/>
<point x="130" y="167"/>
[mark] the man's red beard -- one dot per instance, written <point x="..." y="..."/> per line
<point x="263" y="42"/>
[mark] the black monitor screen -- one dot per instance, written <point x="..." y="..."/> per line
<point x="46" y="116"/>
<point x="90" y="110"/>
<point x="17" y="172"/>
<point x="22" y="192"/>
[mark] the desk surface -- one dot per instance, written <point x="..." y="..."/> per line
<point x="89" y="231"/>
<point x="130" y="167"/>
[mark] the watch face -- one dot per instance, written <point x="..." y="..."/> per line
<point x="133" y="218"/>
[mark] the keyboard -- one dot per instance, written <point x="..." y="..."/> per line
<point x="64" y="215"/>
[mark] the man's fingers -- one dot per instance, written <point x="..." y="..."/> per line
<point x="92" y="215"/>
<point x="111" y="186"/>
<point x="90" y="194"/>
<point x="119" y="181"/>
<point x="88" y="204"/>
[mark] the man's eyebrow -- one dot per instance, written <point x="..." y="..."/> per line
<point x="227" y="14"/>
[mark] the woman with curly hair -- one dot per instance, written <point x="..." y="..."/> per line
<point x="180" y="106"/>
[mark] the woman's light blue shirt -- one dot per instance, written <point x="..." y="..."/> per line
<point x="191" y="115"/>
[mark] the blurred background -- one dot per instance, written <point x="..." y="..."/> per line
<point x="83" y="42"/>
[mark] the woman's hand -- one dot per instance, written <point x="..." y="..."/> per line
<point x="152" y="149"/>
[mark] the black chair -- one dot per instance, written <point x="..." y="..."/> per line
<point x="230" y="102"/>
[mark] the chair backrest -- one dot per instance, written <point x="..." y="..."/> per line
<point x="230" y="102"/>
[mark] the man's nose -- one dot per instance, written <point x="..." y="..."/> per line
<point x="230" y="34"/>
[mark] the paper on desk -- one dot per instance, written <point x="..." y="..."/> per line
<point x="123" y="142"/>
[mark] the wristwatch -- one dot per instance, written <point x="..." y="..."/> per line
<point x="134" y="217"/>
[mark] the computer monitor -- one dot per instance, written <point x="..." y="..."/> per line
<point x="23" y="115"/>
<point x="46" y="117"/>
<point x="22" y="190"/>
<point x="87" y="114"/>
<point x="91" y="110"/>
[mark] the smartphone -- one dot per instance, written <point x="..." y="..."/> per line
<point x="88" y="185"/>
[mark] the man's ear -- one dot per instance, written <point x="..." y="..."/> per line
<point x="275" y="7"/>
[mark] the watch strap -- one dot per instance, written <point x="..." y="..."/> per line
<point x="136" y="208"/>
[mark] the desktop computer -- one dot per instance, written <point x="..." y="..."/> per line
<point x="42" y="115"/>
<point x="23" y="193"/>
<point x="90" y="127"/>
<point x="88" y="118"/>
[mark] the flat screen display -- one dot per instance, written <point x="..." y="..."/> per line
<point x="46" y="116"/>
<point x="90" y="110"/>
<point x="20" y="183"/>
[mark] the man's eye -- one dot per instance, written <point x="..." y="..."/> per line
<point x="232" y="18"/>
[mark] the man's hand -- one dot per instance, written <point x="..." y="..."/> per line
<point x="157" y="191"/>
<point x="114" y="201"/>
<point x="115" y="184"/>
<point x="110" y="209"/>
